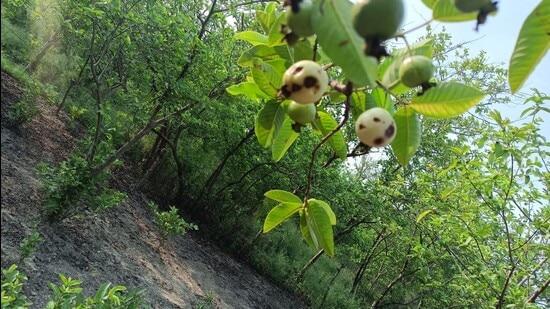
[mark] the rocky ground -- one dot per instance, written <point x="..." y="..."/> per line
<point x="120" y="246"/>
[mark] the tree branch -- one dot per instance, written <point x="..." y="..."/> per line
<point x="394" y="281"/>
<point x="537" y="293"/>
<point x="349" y="87"/>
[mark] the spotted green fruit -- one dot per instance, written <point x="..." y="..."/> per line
<point x="305" y="82"/>
<point x="377" y="19"/>
<point x="302" y="113"/>
<point x="469" y="6"/>
<point x="375" y="127"/>
<point x="300" y="22"/>
<point x="416" y="71"/>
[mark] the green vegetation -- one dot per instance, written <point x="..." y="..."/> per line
<point x="190" y="94"/>
<point x="30" y="243"/>
<point x="207" y="302"/>
<point x="12" y="284"/>
<point x="72" y="187"/>
<point x="69" y="294"/>
<point x="170" y="222"/>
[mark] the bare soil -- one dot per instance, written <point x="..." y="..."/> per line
<point x="121" y="246"/>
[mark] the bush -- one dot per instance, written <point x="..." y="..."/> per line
<point x="69" y="295"/>
<point x="30" y="243"/>
<point x="170" y="222"/>
<point x="21" y="112"/>
<point x="12" y="284"/>
<point x="25" y="109"/>
<point x="72" y="188"/>
<point x="15" y="42"/>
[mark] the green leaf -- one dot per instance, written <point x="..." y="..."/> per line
<point x="282" y="196"/>
<point x="300" y="51"/>
<point x="280" y="214"/>
<point x="445" y="10"/>
<point x="267" y="17"/>
<point x="268" y="79"/>
<point x="446" y="100"/>
<point x="320" y="227"/>
<point x="305" y="230"/>
<point x="429" y="3"/>
<point x="101" y="293"/>
<point x="389" y="69"/>
<point x="423" y="214"/>
<point x="444" y="172"/>
<point x="359" y="102"/>
<point x="250" y="57"/>
<point x="333" y="26"/>
<point x="268" y="122"/>
<point x="249" y="89"/>
<point x="275" y="37"/>
<point x="381" y="99"/>
<point x="336" y="97"/>
<point x="285" y="52"/>
<point x="330" y="212"/>
<point x="497" y="116"/>
<point x="532" y="44"/>
<point x="113" y="292"/>
<point x="283" y="140"/>
<point x="280" y="65"/>
<point x="445" y="194"/>
<point x="325" y="123"/>
<point x="408" y="136"/>
<point x="252" y="37"/>
<point x="303" y="50"/>
<point x="370" y="101"/>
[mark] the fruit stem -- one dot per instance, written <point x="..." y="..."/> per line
<point x="344" y="89"/>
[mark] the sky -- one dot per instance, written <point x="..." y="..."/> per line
<point x="497" y="37"/>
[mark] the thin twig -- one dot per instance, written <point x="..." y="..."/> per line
<point x="348" y="92"/>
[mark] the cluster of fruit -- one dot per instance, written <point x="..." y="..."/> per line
<point x="305" y="82"/>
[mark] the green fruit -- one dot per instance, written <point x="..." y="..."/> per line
<point x="377" y="19"/>
<point x="301" y="113"/>
<point x="375" y="127"/>
<point x="305" y="82"/>
<point x="300" y="22"/>
<point x="469" y="6"/>
<point x="416" y="71"/>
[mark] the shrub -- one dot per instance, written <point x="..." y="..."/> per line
<point x="15" y="42"/>
<point x="72" y="188"/>
<point x="25" y="109"/>
<point x="29" y="244"/>
<point x="12" y="284"/>
<point x="170" y="222"/>
<point x="69" y="295"/>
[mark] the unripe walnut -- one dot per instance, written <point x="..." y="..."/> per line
<point x="299" y="21"/>
<point x="483" y="7"/>
<point x="378" y="19"/>
<point x="416" y="71"/>
<point x="375" y="127"/>
<point x="302" y="113"/>
<point x="469" y="6"/>
<point x="305" y="82"/>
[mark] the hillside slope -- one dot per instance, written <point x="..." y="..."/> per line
<point x="120" y="246"/>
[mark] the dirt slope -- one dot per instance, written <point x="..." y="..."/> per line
<point x="119" y="246"/>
